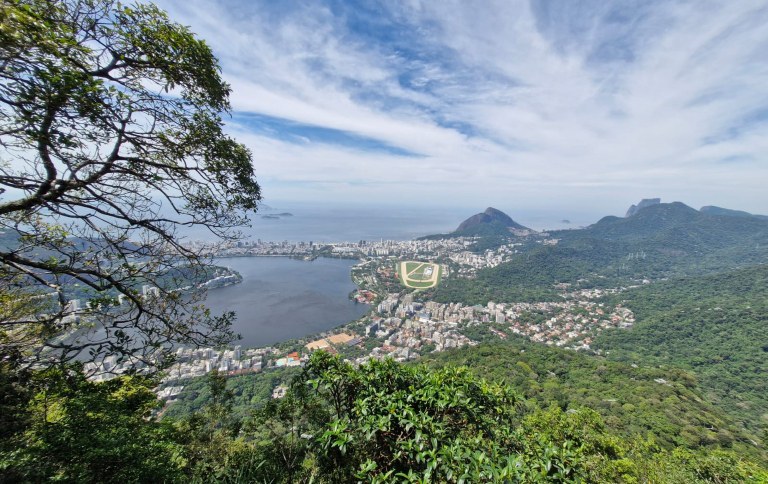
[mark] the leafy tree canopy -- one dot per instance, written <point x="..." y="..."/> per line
<point x="111" y="141"/>
<point x="66" y="428"/>
<point x="387" y="422"/>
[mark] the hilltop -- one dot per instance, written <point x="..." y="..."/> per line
<point x="488" y="217"/>
<point x="491" y="223"/>
<point x="646" y="202"/>
<point x="713" y="210"/>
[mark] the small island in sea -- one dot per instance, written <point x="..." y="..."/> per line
<point x="276" y="216"/>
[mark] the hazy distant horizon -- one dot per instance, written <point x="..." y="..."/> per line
<point x="534" y="210"/>
<point x="343" y="222"/>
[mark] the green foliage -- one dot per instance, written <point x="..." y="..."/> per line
<point x="249" y="393"/>
<point x="79" y="431"/>
<point x="381" y="422"/>
<point x="683" y="465"/>
<point x="108" y="113"/>
<point x="15" y="416"/>
<point x="639" y="402"/>
<point x="713" y="326"/>
<point x="386" y="418"/>
<point x="210" y="435"/>
<point x="386" y="422"/>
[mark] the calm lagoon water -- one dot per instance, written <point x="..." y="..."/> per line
<point x="282" y="298"/>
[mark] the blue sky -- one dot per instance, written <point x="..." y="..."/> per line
<point x="551" y="104"/>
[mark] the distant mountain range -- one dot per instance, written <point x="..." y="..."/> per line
<point x="676" y="238"/>
<point x="712" y="210"/>
<point x="648" y="218"/>
<point x="679" y="230"/>
<point x="708" y="209"/>
<point x="658" y="240"/>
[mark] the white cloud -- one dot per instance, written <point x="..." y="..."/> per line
<point x="575" y="108"/>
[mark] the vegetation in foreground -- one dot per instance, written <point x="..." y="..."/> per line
<point x="381" y="422"/>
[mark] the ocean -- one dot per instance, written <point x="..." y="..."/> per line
<point x="352" y="222"/>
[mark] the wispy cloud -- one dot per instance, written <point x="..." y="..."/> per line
<point x="508" y="103"/>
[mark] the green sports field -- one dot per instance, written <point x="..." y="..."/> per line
<point x="419" y="275"/>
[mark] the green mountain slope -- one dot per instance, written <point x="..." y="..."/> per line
<point x="672" y="238"/>
<point x="715" y="326"/>
<point x="636" y="402"/>
<point x="660" y="241"/>
<point x="713" y="210"/>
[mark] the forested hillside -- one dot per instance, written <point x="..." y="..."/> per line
<point x="636" y="401"/>
<point x="699" y="291"/>
<point x="660" y="241"/>
<point x="714" y="326"/>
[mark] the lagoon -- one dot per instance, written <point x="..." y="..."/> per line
<point x="282" y="298"/>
